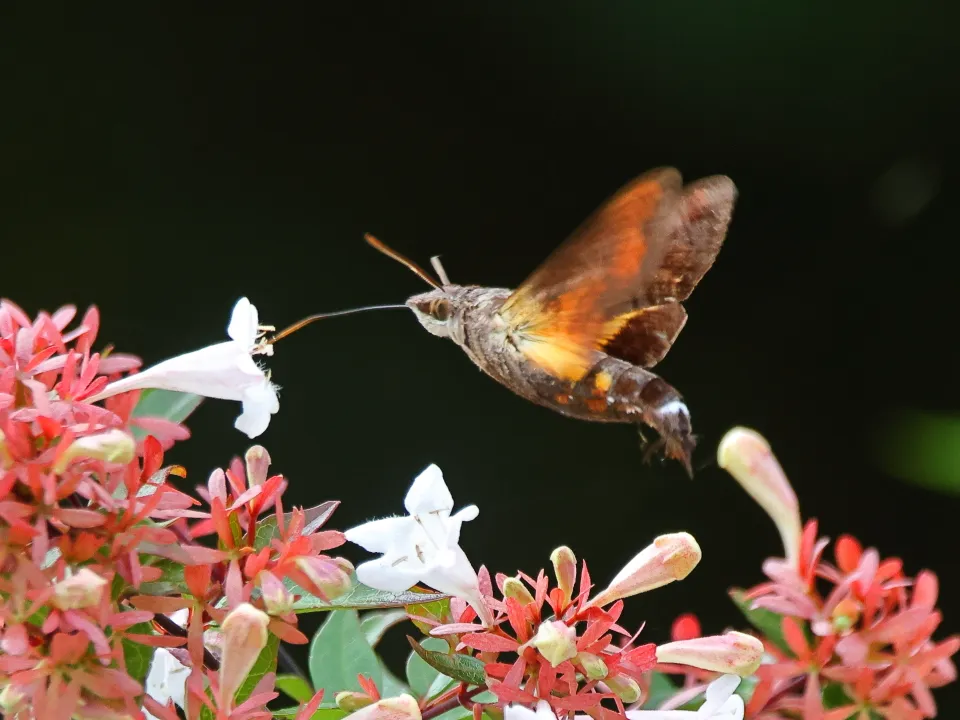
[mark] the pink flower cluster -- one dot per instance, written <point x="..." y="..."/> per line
<point x="96" y="544"/>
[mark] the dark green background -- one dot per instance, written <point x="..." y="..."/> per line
<point x="162" y="163"/>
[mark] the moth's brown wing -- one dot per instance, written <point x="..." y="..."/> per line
<point x="643" y="337"/>
<point x="559" y="316"/>
<point x="704" y="211"/>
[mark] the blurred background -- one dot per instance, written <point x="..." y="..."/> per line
<point x="161" y="164"/>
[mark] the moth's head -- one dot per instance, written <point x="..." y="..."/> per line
<point x="436" y="309"/>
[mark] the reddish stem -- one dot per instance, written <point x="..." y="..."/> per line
<point x="458" y="700"/>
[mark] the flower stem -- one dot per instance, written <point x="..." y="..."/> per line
<point x="460" y="699"/>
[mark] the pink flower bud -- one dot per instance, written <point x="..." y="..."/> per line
<point x="670" y="557"/>
<point x="565" y="570"/>
<point x="556" y="641"/>
<point x="352" y="701"/>
<point x="331" y="576"/>
<point x="733" y="653"/>
<point x="81" y="590"/>
<point x="402" y="707"/>
<point x="746" y="455"/>
<point x="114" y="446"/>
<point x="244" y="632"/>
<point x="625" y="688"/>
<point x="514" y="588"/>
<point x="276" y="597"/>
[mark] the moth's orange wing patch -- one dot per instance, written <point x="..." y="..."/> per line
<point x="559" y="315"/>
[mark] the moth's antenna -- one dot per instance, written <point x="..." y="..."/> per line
<point x="390" y="253"/>
<point x="438" y="268"/>
<point x="322" y="316"/>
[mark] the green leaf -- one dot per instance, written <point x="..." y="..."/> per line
<point x="360" y="597"/>
<point x="436" y="610"/>
<point x="834" y="696"/>
<point x="173" y="406"/>
<point x="138" y="657"/>
<point x="266" y="663"/>
<point x="460" y="667"/>
<point x="661" y="690"/>
<point x="766" y="621"/>
<point x="376" y="623"/>
<point x="314" y="518"/>
<point x="392" y="685"/>
<point x="338" y="653"/>
<point x="295" y="686"/>
<point x="321" y="714"/>
<point x="420" y="674"/>
<point x="170" y="582"/>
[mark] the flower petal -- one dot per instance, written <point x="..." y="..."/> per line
<point x="243" y="323"/>
<point x="382" y="535"/>
<point x="387" y="574"/>
<point x="259" y="403"/>
<point x="429" y="494"/>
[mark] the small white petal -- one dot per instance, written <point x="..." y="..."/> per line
<point x="166" y="680"/>
<point x="259" y="403"/>
<point x="389" y="574"/>
<point x="381" y="536"/>
<point x="243" y="323"/>
<point x="429" y="494"/>
<point x="719" y="691"/>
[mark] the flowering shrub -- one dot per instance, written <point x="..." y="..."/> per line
<point x="122" y="596"/>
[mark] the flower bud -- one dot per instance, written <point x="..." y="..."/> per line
<point x="257" y="462"/>
<point x="670" y="557"/>
<point x="402" y="707"/>
<point x="733" y="653"/>
<point x="331" y="576"/>
<point x="556" y="641"/>
<point x="746" y="455"/>
<point x="84" y="589"/>
<point x="593" y="665"/>
<point x="515" y="588"/>
<point x="244" y="632"/>
<point x="565" y="570"/>
<point x="351" y="701"/>
<point x="114" y="446"/>
<point x="625" y="688"/>
<point x="276" y="597"/>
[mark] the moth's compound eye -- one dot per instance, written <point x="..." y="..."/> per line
<point x="440" y="309"/>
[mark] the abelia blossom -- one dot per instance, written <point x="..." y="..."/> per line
<point x="422" y="547"/>
<point x="859" y="623"/>
<point x="226" y="371"/>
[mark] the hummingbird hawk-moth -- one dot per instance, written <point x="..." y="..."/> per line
<point x="581" y="334"/>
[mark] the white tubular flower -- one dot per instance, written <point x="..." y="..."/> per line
<point x="225" y="371"/>
<point x="543" y="712"/>
<point x="720" y="704"/>
<point x="422" y="547"/>
<point x="167" y="679"/>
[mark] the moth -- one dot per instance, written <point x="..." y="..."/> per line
<point x="582" y="333"/>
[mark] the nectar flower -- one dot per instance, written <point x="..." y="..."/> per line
<point x="226" y="371"/>
<point x="556" y="641"/>
<point x="402" y="707"/>
<point x="746" y="455"/>
<point x="422" y="547"/>
<point x="721" y="704"/>
<point x="668" y="558"/>
<point x="244" y="636"/>
<point x="84" y="589"/>
<point x="733" y="652"/>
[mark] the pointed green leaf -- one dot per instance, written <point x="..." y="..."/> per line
<point x="295" y="686"/>
<point x="170" y="582"/>
<point x="166" y="404"/>
<point x="420" y="674"/>
<point x="436" y="610"/>
<point x="360" y="597"/>
<point x="377" y="622"/>
<point x="314" y="518"/>
<point x="661" y="690"/>
<point x="392" y="685"/>
<point x="766" y="621"/>
<point x="460" y="667"/>
<point x="338" y="653"/>
<point x="138" y="657"/>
